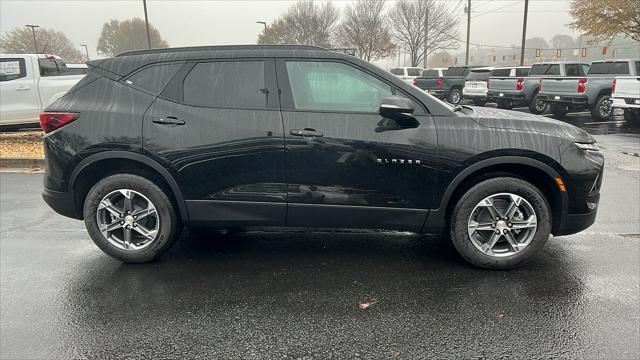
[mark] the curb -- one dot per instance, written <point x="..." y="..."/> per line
<point x="21" y="163"/>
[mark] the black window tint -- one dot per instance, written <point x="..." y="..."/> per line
<point x="572" y="69"/>
<point x="479" y="75"/>
<point x="520" y="72"/>
<point x="77" y="71"/>
<point x="233" y="84"/>
<point x="414" y="71"/>
<point x="538" y="69"/>
<point x="52" y="67"/>
<point x="500" y="72"/>
<point x="553" y="69"/>
<point x="610" y="68"/>
<point x="153" y="78"/>
<point x="11" y="69"/>
<point x="456" y="71"/>
<point x="397" y="71"/>
<point x="430" y="73"/>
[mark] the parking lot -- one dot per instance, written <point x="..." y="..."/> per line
<point x="267" y="293"/>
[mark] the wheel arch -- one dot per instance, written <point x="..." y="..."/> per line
<point x="535" y="171"/>
<point x="100" y="165"/>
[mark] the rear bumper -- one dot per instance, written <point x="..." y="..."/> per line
<point x="474" y="95"/>
<point x="61" y="202"/>
<point x="564" y="99"/>
<point x="497" y="94"/>
<point x="625" y="103"/>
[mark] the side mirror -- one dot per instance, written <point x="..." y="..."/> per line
<point x="397" y="114"/>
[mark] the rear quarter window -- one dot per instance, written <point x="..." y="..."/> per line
<point x="520" y="72"/>
<point x="397" y="71"/>
<point x="609" y="68"/>
<point x="430" y="73"/>
<point x="456" y="71"/>
<point x="12" y="69"/>
<point x="154" y="78"/>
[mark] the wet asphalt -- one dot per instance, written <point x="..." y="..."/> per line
<point x="293" y="294"/>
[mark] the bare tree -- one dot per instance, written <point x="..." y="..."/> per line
<point x="423" y="27"/>
<point x="364" y="27"/>
<point x="303" y="23"/>
<point x="20" y="41"/>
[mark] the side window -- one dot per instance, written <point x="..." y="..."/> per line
<point x="397" y="71"/>
<point x="522" y="72"/>
<point x="153" y="78"/>
<point x="637" y="68"/>
<point x="572" y="69"/>
<point x="12" y="69"/>
<point x="229" y="84"/>
<point x="52" y="67"/>
<point x="331" y="86"/>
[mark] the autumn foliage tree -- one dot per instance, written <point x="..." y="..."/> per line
<point x="606" y="19"/>
<point x="20" y="41"/>
<point x="121" y="36"/>
<point x="364" y="28"/>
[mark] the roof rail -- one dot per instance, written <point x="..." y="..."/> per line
<point x="222" y="47"/>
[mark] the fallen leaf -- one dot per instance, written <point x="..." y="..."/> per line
<point x="366" y="304"/>
<point x="501" y="315"/>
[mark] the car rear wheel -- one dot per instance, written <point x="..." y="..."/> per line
<point x="559" y="110"/>
<point x="537" y="106"/>
<point x="131" y="218"/>
<point x="455" y="96"/>
<point x="602" y="109"/>
<point x="500" y="223"/>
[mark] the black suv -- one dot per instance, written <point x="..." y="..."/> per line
<point x="305" y="137"/>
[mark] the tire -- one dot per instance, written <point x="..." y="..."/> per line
<point x="502" y="256"/>
<point x="479" y="102"/>
<point x="559" y="111"/>
<point x="505" y="104"/>
<point x="632" y="116"/>
<point x="455" y="96"/>
<point x="163" y="225"/>
<point x="602" y="109"/>
<point x="536" y="106"/>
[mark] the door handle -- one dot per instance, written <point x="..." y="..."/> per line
<point x="23" y="88"/>
<point x="306" y="132"/>
<point x="169" y="120"/>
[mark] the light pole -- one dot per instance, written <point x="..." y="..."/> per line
<point x="86" y="50"/>
<point x="263" y="23"/>
<point x="33" y="31"/>
<point x="146" y="22"/>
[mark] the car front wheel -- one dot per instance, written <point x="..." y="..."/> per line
<point x="455" y="96"/>
<point x="131" y="218"/>
<point x="500" y="223"/>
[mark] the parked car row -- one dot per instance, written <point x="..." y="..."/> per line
<point x="562" y="87"/>
<point x="30" y="82"/>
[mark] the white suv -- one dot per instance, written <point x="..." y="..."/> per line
<point x="407" y="74"/>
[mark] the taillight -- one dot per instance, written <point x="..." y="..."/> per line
<point x="439" y="83"/>
<point x="415" y="81"/>
<point x="613" y="86"/>
<point x="582" y="87"/>
<point x="50" y="121"/>
<point x="519" y="82"/>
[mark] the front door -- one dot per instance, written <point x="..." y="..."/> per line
<point x="344" y="169"/>
<point x="217" y="124"/>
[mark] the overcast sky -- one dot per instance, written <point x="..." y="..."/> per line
<point x="214" y="22"/>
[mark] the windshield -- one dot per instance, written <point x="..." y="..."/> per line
<point x="479" y="75"/>
<point x="545" y="69"/>
<point x="501" y="72"/>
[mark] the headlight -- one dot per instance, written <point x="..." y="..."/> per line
<point x="588" y="146"/>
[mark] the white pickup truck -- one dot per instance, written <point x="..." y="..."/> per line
<point x="28" y="83"/>
<point x="626" y="95"/>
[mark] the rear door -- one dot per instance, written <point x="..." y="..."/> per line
<point x="217" y="125"/>
<point x="20" y="101"/>
<point x="344" y="169"/>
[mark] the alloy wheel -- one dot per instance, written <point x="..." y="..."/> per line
<point x="605" y="108"/>
<point x="128" y="219"/>
<point x="502" y="224"/>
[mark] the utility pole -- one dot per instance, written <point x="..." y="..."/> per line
<point x="524" y="31"/>
<point x="33" y="31"/>
<point x="426" y="35"/>
<point x="86" y="50"/>
<point x="466" y="61"/>
<point x="146" y="21"/>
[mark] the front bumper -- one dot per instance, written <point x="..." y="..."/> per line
<point x="62" y="202"/>
<point x="564" y="99"/>
<point x="573" y="223"/>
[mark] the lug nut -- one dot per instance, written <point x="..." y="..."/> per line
<point x="135" y="217"/>
<point x="497" y="231"/>
<point x="497" y="218"/>
<point x="134" y="224"/>
<point x="493" y="225"/>
<point x="509" y="224"/>
<point x="121" y="222"/>
<point x="505" y="231"/>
